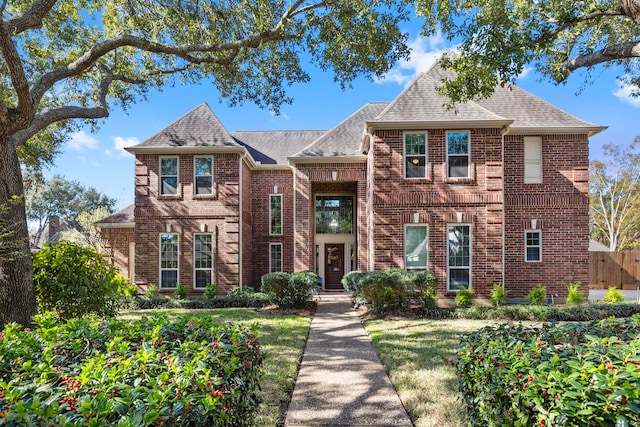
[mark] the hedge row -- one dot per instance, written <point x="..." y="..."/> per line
<point x="290" y="290"/>
<point x="573" y="374"/>
<point x="236" y="298"/>
<point x="89" y="372"/>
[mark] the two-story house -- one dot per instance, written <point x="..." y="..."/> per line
<point x="495" y="191"/>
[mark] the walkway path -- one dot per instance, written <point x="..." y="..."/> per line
<point x="341" y="380"/>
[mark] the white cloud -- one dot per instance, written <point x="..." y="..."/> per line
<point x="525" y="72"/>
<point x="81" y="141"/>
<point x="424" y="52"/>
<point x="623" y="93"/>
<point x="119" y="144"/>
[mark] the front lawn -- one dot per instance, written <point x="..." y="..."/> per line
<point x="414" y="353"/>
<point x="281" y="339"/>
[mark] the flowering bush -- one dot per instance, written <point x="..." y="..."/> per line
<point x="115" y="372"/>
<point x="573" y="374"/>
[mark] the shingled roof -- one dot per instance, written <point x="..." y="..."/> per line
<point x="120" y="218"/>
<point x="344" y="139"/>
<point x="273" y="147"/>
<point x="198" y="128"/>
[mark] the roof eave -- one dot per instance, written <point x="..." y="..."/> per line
<point x="327" y="159"/>
<point x="115" y="225"/>
<point x="438" y="124"/>
<point x="549" y="130"/>
<point x="184" y="150"/>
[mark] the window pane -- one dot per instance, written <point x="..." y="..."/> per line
<point x="203" y="166"/>
<point x="459" y="278"/>
<point x="169" y="251"/>
<point x="415" y="167"/>
<point x="533" y="254"/>
<point x="202" y="251"/>
<point x="458" y="142"/>
<point x="204" y="185"/>
<point x="458" y="166"/>
<point x="169" y="185"/>
<point x="276" y="214"/>
<point x="415" y="248"/>
<point x="415" y="143"/>
<point x="276" y="258"/>
<point x="203" y="278"/>
<point x="334" y="215"/>
<point x="169" y="279"/>
<point x="169" y="166"/>
<point x="459" y="246"/>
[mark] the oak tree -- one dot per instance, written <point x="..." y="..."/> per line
<point x="64" y="60"/>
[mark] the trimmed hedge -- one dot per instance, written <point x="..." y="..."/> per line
<point x="235" y="298"/>
<point x="290" y="290"/>
<point x="128" y="373"/>
<point x="571" y="374"/>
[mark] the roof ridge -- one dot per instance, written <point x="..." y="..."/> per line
<point x="406" y="88"/>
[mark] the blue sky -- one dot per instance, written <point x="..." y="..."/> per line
<point x="98" y="159"/>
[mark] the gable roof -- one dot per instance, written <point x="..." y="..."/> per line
<point x="198" y="128"/>
<point x="122" y="219"/>
<point x="273" y="147"/>
<point x="345" y="139"/>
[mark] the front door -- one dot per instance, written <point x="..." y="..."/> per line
<point x="334" y="266"/>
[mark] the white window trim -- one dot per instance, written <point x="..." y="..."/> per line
<point x="270" y="217"/>
<point x="526" y="246"/>
<point x="446" y="149"/>
<point x="470" y="255"/>
<point x="426" y="267"/>
<point x="195" y="176"/>
<point x="271" y="246"/>
<point x="404" y="153"/>
<point x="195" y="269"/>
<point x="177" y="269"/>
<point x="160" y="176"/>
<point x="530" y="163"/>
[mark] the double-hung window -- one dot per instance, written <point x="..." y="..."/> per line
<point x="533" y="246"/>
<point x="202" y="260"/>
<point x="203" y="175"/>
<point x="275" y="214"/>
<point x="168" y="260"/>
<point x="415" y="154"/>
<point x="416" y="246"/>
<point x="275" y="257"/>
<point x="459" y="259"/>
<point x="168" y="175"/>
<point x="458" y="154"/>
<point x="532" y="160"/>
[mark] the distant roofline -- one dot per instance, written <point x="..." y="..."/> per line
<point x="437" y="124"/>
<point x="327" y="159"/>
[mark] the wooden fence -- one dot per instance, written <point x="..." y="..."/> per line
<point x="619" y="269"/>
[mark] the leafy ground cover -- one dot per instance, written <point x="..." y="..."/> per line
<point x="281" y="337"/>
<point x="414" y="352"/>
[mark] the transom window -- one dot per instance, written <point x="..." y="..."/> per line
<point x="169" y="175"/>
<point x="275" y="214"/>
<point x="416" y="245"/>
<point x="203" y="171"/>
<point x="415" y="155"/>
<point x="275" y="257"/>
<point x="458" y="154"/>
<point x="202" y="260"/>
<point x="533" y="246"/>
<point x="168" y="260"/>
<point x="334" y="215"/>
<point x="459" y="259"/>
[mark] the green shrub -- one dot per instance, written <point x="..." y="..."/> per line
<point x="537" y="295"/>
<point x="290" y="290"/>
<point x="152" y="291"/>
<point x="613" y="296"/>
<point x="424" y="285"/>
<point x="464" y="298"/>
<point x="152" y="371"/>
<point x="575" y="296"/>
<point x="498" y="295"/>
<point x="210" y="291"/>
<point x="350" y="281"/>
<point x="73" y="281"/>
<point x="575" y="374"/>
<point x="385" y="291"/>
<point x="180" y="291"/>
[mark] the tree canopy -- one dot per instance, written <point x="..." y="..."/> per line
<point x="499" y="38"/>
<point x="615" y="197"/>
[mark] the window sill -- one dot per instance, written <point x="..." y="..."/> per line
<point x="462" y="181"/>
<point x="204" y="196"/>
<point x="169" y="196"/>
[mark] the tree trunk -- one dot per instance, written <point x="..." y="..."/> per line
<point x="17" y="293"/>
<point x="632" y="9"/>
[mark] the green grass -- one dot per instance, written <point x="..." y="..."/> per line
<point x="413" y="352"/>
<point x="281" y="339"/>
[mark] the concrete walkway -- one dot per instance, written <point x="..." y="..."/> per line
<point x="341" y="380"/>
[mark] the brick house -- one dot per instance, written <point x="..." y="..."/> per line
<point x="493" y="192"/>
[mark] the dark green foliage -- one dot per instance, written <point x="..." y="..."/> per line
<point x="464" y="298"/>
<point x="152" y="371"/>
<point x="351" y="280"/>
<point x="235" y="298"/>
<point x="290" y="290"/>
<point x="537" y="295"/>
<point x="583" y="374"/>
<point x="74" y="281"/>
<point x="180" y="292"/>
<point x="210" y="291"/>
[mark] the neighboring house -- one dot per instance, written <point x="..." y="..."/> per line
<point x="57" y="230"/>
<point x="494" y="192"/>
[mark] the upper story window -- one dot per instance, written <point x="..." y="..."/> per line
<point x="168" y="260"/>
<point x="458" y="154"/>
<point x="334" y="215"/>
<point x="203" y="171"/>
<point x="416" y="247"/>
<point x="275" y="214"/>
<point x="533" y="246"/>
<point x="168" y="175"/>
<point x="532" y="160"/>
<point x="415" y="154"/>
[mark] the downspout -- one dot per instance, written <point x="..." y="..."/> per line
<point x="505" y="130"/>
<point x="240" y="218"/>
<point x="370" y="176"/>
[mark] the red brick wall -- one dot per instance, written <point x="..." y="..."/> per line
<point x="115" y="242"/>
<point x="187" y="214"/>
<point x="561" y="207"/>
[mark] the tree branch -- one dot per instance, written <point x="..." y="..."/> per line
<point x="30" y="18"/>
<point x="615" y="52"/>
